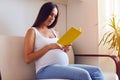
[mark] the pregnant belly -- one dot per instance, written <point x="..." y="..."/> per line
<point x="58" y="56"/>
<point x="55" y="56"/>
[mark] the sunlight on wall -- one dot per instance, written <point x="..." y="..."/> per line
<point x="109" y="11"/>
<point x="109" y="8"/>
<point x="117" y="7"/>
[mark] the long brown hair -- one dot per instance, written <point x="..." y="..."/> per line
<point x="44" y="13"/>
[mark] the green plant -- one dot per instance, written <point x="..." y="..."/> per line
<point x="112" y="38"/>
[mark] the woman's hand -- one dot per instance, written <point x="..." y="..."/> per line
<point x="66" y="48"/>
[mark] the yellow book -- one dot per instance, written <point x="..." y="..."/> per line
<point x="69" y="36"/>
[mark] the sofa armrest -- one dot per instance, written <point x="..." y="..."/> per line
<point x="113" y="57"/>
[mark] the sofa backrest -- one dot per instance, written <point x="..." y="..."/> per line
<point x="12" y="65"/>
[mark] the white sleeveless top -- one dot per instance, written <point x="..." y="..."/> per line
<point x="54" y="56"/>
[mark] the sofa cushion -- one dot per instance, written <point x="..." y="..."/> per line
<point x="110" y="76"/>
<point x="12" y="63"/>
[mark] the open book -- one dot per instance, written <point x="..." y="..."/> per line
<point x="69" y="36"/>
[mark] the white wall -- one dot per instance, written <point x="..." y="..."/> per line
<point x="83" y="13"/>
<point x="16" y="16"/>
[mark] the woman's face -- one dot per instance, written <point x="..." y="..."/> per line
<point x="51" y="17"/>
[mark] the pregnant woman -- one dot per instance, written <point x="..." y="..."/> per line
<point x="51" y="60"/>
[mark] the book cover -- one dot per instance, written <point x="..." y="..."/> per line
<point x="69" y="36"/>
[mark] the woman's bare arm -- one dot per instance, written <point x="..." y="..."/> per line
<point x="30" y="55"/>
